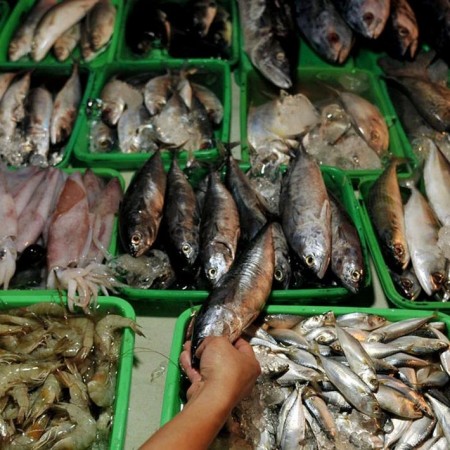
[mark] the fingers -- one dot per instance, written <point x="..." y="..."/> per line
<point x="243" y="346"/>
<point x="185" y="361"/>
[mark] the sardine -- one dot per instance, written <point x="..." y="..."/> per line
<point x="56" y="21"/>
<point x="65" y="108"/>
<point x="393" y="401"/>
<point x="100" y="22"/>
<point x="237" y="301"/>
<point x="367" y="17"/>
<point x="6" y="79"/>
<point x="385" y="208"/>
<point x="394" y="330"/>
<point x="422" y="237"/>
<point x="141" y="210"/>
<point x="442" y="413"/>
<point x="325" y="30"/>
<point x="306" y="213"/>
<point x="157" y="91"/>
<point x="65" y="44"/>
<point x="361" y="320"/>
<point x="219" y="230"/>
<point x="347" y="261"/>
<point x="181" y="215"/>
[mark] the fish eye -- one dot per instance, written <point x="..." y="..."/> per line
<point x="374" y="135"/>
<point x="438" y="278"/>
<point x="136" y="239"/>
<point x="309" y="260"/>
<point x="278" y="275"/>
<point x="280" y="56"/>
<point x="355" y="275"/>
<point x="399" y="250"/>
<point x="406" y="283"/>
<point x="368" y="18"/>
<point x="212" y="273"/>
<point x="186" y="249"/>
<point x="402" y="31"/>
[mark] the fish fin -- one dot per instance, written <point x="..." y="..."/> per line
<point x="417" y="68"/>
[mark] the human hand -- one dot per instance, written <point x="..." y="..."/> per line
<point x="227" y="371"/>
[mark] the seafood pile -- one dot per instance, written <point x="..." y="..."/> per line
<point x="414" y="238"/>
<point x="37" y="116"/>
<point x="57" y="228"/>
<point x="181" y="235"/>
<point x="166" y="111"/>
<point x="420" y="94"/>
<point x="189" y="29"/>
<point x="58" y="377"/>
<point x="61" y="26"/>
<point x="340" y="128"/>
<point x="332" y="28"/>
<point x="350" y="381"/>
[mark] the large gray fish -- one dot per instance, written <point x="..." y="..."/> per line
<point x="325" y="30"/>
<point x="431" y="98"/>
<point x="252" y="211"/>
<point x="181" y="215"/>
<point x="347" y="261"/>
<point x="261" y="42"/>
<point x="157" y="91"/>
<point x="141" y="210"/>
<point x="100" y="22"/>
<point x="219" y="230"/>
<point x="367" y="17"/>
<point x="401" y="33"/>
<point x="21" y="43"/>
<point x="306" y="213"/>
<point x="385" y="208"/>
<point x="422" y="230"/>
<point x="55" y="22"/>
<point x="236" y="302"/>
<point x="65" y="108"/>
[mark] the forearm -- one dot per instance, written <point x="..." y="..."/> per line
<point x="195" y="427"/>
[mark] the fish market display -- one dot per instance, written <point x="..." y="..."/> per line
<point x="58" y="376"/>
<point x="344" y="381"/>
<point x="421" y="97"/>
<point x="413" y="235"/>
<point x="61" y="27"/>
<point x="189" y="29"/>
<point x="169" y="111"/>
<point x="37" y="116"/>
<point x="338" y="127"/>
<point x="181" y="231"/>
<point x="58" y="227"/>
<point x="269" y="39"/>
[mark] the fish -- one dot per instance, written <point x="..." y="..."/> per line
<point x="219" y="230"/>
<point x="262" y="44"/>
<point x="282" y="273"/>
<point x="65" y="108"/>
<point x="56" y="21"/>
<point x="393" y="401"/>
<point x="6" y="79"/>
<point x="22" y="41"/>
<point x="366" y="17"/>
<point x="157" y="91"/>
<point x="181" y="215"/>
<point x="325" y="30"/>
<point x="203" y="13"/>
<point x="347" y="261"/>
<point x="422" y="230"/>
<point x="401" y="34"/>
<point x="394" y="330"/>
<point x="100" y="22"/>
<point x="385" y="208"/>
<point x="406" y="283"/>
<point x="102" y="138"/>
<point x="364" y="321"/>
<point x="66" y="43"/>
<point x="236" y="302"/>
<point x="306" y="213"/>
<point x="141" y="210"/>
<point x="252" y="211"/>
<point x="210" y="101"/>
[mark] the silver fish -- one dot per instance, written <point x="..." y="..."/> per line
<point x="365" y="321"/>
<point x="394" y="330"/>
<point x="210" y="101"/>
<point x="102" y="138"/>
<point x="407" y="284"/>
<point x="394" y="402"/>
<point x="157" y="91"/>
<point x="442" y="414"/>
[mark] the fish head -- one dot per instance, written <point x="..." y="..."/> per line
<point x="189" y="251"/>
<point x="352" y="275"/>
<point x="203" y="15"/>
<point x="316" y="258"/>
<point x="137" y="240"/>
<point x="370" y="378"/>
<point x="372" y="18"/>
<point x="399" y="253"/>
<point x="336" y="42"/>
<point x="282" y="274"/>
<point x="217" y="265"/>
<point x="407" y="285"/>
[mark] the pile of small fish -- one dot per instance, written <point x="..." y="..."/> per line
<point x="190" y="29"/>
<point x="37" y="117"/>
<point x="204" y="231"/>
<point x="58" y="227"/>
<point x="421" y="97"/>
<point x="165" y="111"/>
<point x="341" y="129"/>
<point x="62" y="26"/>
<point x="415" y="238"/>
<point x="350" y="381"/>
<point x="58" y="377"/>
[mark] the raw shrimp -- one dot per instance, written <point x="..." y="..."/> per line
<point x="19" y="393"/>
<point x="47" y="395"/>
<point x="77" y="389"/>
<point x="101" y="386"/>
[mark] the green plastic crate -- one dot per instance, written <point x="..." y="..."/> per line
<point x="124" y="54"/>
<point x="59" y="74"/>
<point x="255" y="90"/>
<point x="172" y="401"/>
<point x="214" y="74"/>
<point x="107" y="174"/>
<point x="384" y="276"/>
<point x="340" y="185"/>
<point x="123" y="383"/>
<point x="4" y="13"/>
<point x="18" y="15"/>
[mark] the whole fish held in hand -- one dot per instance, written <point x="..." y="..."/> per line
<point x="236" y="302"/>
<point x="141" y="210"/>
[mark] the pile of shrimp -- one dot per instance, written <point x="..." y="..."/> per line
<point x="57" y="377"/>
<point x="70" y="217"/>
